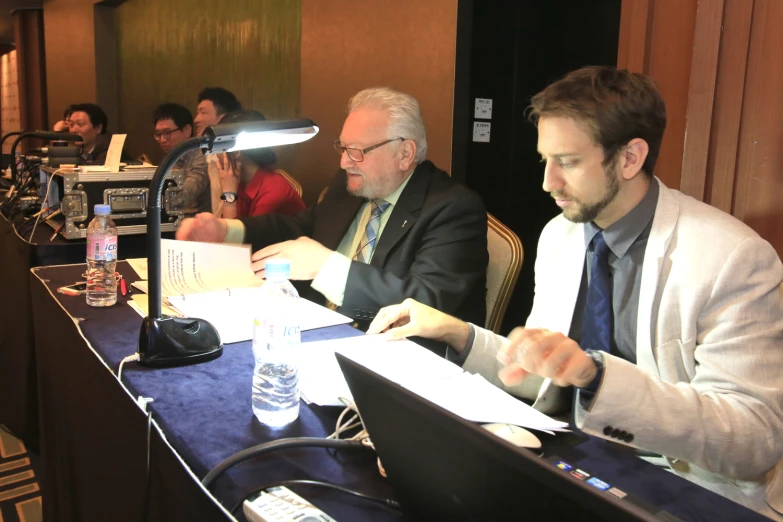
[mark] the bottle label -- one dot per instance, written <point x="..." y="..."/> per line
<point x="102" y="248"/>
<point x="268" y="333"/>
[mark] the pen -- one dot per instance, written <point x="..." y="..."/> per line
<point x="543" y="388"/>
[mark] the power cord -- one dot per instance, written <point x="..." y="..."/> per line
<point x="297" y="442"/>
<point x="148" y="474"/>
<point x="383" y="501"/>
<point x="45" y="202"/>
<point x="130" y="358"/>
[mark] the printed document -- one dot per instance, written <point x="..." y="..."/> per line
<point x="215" y="282"/>
<point x="440" y="381"/>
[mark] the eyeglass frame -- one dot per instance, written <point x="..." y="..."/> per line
<point x="157" y="136"/>
<point x="340" y="149"/>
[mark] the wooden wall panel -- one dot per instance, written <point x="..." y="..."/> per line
<point x="759" y="183"/>
<point x="670" y="65"/>
<point x="70" y="54"/>
<point x="730" y="89"/>
<point x="717" y="63"/>
<point x="636" y="31"/>
<point x="701" y="96"/>
<point x="168" y="51"/>
<point x="348" y="45"/>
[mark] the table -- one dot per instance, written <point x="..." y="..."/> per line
<point x="93" y="435"/>
<point x="17" y="357"/>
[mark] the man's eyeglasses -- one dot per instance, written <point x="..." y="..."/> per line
<point x="357" y="155"/>
<point x="164" y="135"/>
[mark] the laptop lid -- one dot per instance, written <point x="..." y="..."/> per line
<point x="442" y="467"/>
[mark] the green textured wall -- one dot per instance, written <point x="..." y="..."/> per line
<point x="168" y="50"/>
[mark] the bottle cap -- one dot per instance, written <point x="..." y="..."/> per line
<point x="102" y="210"/>
<point x="278" y="268"/>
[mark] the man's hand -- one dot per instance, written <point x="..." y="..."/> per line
<point x="411" y="318"/>
<point x="547" y="354"/>
<point x="306" y="255"/>
<point x="204" y="227"/>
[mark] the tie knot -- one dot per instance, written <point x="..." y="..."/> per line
<point x="600" y="248"/>
<point x="379" y="206"/>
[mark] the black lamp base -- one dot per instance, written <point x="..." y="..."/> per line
<point x="177" y="341"/>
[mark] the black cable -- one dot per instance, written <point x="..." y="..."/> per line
<point x="298" y="442"/>
<point x="383" y="501"/>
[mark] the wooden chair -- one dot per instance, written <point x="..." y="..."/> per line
<point x="290" y="179"/>
<point x="505" y="262"/>
<point x="323" y="193"/>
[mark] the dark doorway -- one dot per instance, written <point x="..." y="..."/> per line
<point x="507" y="52"/>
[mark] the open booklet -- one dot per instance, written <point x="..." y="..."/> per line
<point x="440" y="381"/>
<point x="214" y="281"/>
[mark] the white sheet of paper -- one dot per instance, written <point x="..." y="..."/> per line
<point x="189" y="267"/>
<point x="114" y="153"/>
<point x="473" y="398"/>
<point x="322" y="382"/>
<point x="140" y="266"/>
<point x="232" y="313"/>
<point x="470" y="396"/>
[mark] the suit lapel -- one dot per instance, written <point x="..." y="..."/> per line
<point x="568" y="271"/>
<point x="666" y="214"/>
<point x="404" y="215"/>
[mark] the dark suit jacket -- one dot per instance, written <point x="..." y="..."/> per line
<point x="433" y="248"/>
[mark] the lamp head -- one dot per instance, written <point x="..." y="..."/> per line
<point x="231" y="137"/>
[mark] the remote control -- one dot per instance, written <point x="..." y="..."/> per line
<point x="280" y="504"/>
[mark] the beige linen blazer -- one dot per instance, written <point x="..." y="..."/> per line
<point x="707" y="389"/>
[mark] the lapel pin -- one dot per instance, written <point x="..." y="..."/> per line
<point x="403" y="223"/>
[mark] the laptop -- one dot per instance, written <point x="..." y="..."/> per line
<point x="442" y="467"/>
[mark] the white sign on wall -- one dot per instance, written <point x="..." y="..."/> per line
<point x="481" y="131"/>
<point x="483" y="109"/>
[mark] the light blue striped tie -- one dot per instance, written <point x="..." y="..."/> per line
<point x="367" y="244"/>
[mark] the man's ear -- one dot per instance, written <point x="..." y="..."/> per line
<point x="407" y="153"/>
<point x="188" y="130"/>
<point x="632" y="158"/>
<point x="99" y="128"/>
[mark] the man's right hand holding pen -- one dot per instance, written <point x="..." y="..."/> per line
<point x="551" y="355"/>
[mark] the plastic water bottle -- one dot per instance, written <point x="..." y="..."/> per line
<point x="101" y="258"/>
<point x="275" y="339"/>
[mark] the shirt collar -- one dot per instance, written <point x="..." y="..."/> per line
<point x="620" y="235"/>
<point x="394" y="196"/>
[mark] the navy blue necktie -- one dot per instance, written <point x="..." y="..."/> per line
<point x="597" y="317"/>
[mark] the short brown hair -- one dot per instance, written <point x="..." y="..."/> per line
<point x="615" y="105"/>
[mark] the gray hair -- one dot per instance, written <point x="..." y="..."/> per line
<point x="405" y="120"/>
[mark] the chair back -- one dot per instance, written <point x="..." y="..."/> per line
<point x="505" y="262"/>
<point x="322" y="194"/>
<point x="297" y="186"/>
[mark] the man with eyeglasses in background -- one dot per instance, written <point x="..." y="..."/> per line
<point x="173" y="125"/>
<point x="391" y="224"/>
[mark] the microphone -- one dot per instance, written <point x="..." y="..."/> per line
<point x="52" y="135"/>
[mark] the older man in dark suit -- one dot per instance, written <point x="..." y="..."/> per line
<point x="391" y="226"/>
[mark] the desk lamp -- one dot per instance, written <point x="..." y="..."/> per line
<point x="175" y="341"/>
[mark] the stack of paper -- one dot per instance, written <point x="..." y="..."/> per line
<point x="467" y="395"/>
<point x="214" y="282"/>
